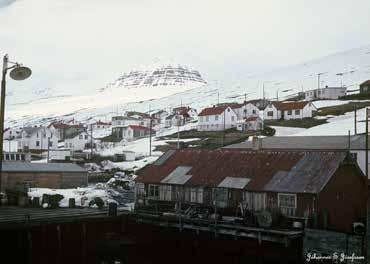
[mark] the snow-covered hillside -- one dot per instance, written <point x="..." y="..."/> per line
<point x="346" y="68"/>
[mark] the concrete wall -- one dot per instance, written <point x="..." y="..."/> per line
<point x="44" y="180"/>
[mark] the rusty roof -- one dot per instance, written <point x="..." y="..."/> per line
<point x="284" y="106"/>
<point x="365" y="83"/>
<point x="209" y="168"/>
<point x="309" y="175"/>
<point x="215" y="110"/>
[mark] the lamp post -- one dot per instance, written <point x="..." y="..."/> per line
<point x="18" y="73"/>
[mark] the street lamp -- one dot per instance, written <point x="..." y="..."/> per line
<point x="18" y="73"/>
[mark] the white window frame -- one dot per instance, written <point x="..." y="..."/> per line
<point x="153" y="186"/>
<point x="140" y="188"/>
<point x="287" y="210"/>
<point x="165" y="192"/>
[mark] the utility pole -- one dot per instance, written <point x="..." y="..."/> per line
<point x="2" y="114"/>
<point x="178" y="131"/>
<point x="150" y="138"/>
<point x="367" y="144"/>
<point x="48" y="157"/>
<point x="318" y="83"/>
<point x="223" y="136"/>
<point x="355" y="120"/>
<point x="91" y="143"/>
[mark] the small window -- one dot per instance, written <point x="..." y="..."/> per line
<point x="254" y="111"/>
<point x="50" y="144"/>
<point x="80" y="136"/>
<point x="153" y="191"/>
<point x="140" y="188"/>
<point x="207" y="118"/>
<point x="289" y="112"/>
<point x="37" y="143"/>
<point x="297" y="112"/>
<point x="287" y="203"/>
<point x="86" y="136"/>
<point x="216" y="117"/>
<point x="270" y="113"/>
<point x="232" y="118"/>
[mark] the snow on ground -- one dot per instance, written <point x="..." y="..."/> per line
<point x="286" y="131"/>
<point x="82" y="196"/>
<point x="326" y="103"/>
<point x="102" y="132"/>
<point x="339" y="125"/>
<point x="131" y="165"/>
<point x="141" y="146"/>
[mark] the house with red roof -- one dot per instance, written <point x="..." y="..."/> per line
<point x="133" y="132"/>
<point x="311" y="186"/>
<point x="217" y="118"/>
<point x="100" y="125"/>
<point x="288" y="110"/>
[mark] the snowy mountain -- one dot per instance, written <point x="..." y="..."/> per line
<point x="158" y="75"/>
<point x="129" y="92"/>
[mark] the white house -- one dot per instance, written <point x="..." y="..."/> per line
<point x="161" y="114"/>
<point x="133" y="132"/>
<point x="217" y="118"/>
<point x="11" y="133"/>
<point x="245" y="110"/>
<point x="10" y="145"/>
<point x="325" y="93"/>
<point x="119" y="123"/>
<point x="253" y="123"/>
<point x="288" y="110"/>
<point x="174" y="120"/>
<point x="77" y="141"/>
<point x="100" y="125"/>
<point x="37" y="138"/>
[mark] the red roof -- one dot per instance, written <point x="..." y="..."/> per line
<point x="61" y="125"/>
<point x="135" y="127"/>
<point x="102" y="123"/>
<point x="365" y="83"/>
<point x="264" y="169"/>
<point x="216" y="110"/>
<point x="284" y="106"/>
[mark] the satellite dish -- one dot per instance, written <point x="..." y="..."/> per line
<point x="20" y="73"/>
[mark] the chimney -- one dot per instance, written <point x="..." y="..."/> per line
<point x="256" y="143"/>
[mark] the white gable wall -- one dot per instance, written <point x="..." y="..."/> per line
<point x="216" y="122"/>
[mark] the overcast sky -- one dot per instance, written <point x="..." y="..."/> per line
<point x="87" y="43"/>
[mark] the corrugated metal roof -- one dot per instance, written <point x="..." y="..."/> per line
<point x="304" y="171"/>
<point x="41" y="167"/>
<point x="178" y="176"/>
<point x="309" y="175"/>
<point x="234" y="183"/>
<point x="164" y="157"/>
